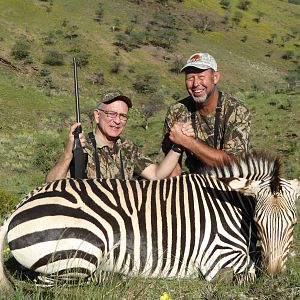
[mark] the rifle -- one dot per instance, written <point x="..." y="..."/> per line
<point x="78" y="164"/>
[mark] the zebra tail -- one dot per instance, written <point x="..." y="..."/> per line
<point x="5" y="284"/>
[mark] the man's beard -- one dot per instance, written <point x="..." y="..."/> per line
<point x="200" y="100"/>
<point x="203" y="99"/>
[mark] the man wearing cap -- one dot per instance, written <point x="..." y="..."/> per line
<point x="221" y="123"/>
<point x="108" y="154"/>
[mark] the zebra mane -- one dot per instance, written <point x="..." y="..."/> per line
<point x="260" y="166"/>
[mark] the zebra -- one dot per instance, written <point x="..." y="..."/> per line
<point x="186" y="226"/>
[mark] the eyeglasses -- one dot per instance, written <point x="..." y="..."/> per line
<point x="113" y="114"/>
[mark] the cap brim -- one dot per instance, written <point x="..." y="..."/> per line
<point x="121" y="97"/>
<point x="198" y="66"/>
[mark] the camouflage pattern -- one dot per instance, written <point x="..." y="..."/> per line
<point x="133" y="161"/>
<point x="113" y="95"/>
<point x="234" y="128"/>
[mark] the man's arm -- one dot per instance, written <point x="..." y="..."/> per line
<point x="164" y="169"/>
<point x="208" y="155"/>
<point x="61" y="168"/>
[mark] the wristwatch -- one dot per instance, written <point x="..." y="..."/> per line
<point x="177" y="148"/>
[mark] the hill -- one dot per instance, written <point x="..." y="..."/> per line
<point x="138" y="46"/>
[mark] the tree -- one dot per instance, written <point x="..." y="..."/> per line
<point x="151" y="106"/>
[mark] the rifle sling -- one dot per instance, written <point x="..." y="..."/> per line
<point x="96" y="157"/>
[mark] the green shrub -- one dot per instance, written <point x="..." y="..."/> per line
<point x="82" y="59"/>
<point x="99" y="13"/>
<point x="237" y="17"/>
<point x="53" y="58"/>
<point x="288" y="55"/>
<point x="49" y="38"/>
<point x="294" y="2"/>
<point x="177" y="64"/>
<point x="146" y="83"/>
<point x="225" y="4"/>
<point x="48" y="149"/>
<point x="244" y="4"/>
<point x="20" y="49"/>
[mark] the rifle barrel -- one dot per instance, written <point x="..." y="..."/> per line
<point x="76" y="91"/>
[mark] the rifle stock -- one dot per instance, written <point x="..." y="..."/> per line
<point x="78" y="164"/>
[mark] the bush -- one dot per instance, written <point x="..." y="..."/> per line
<point x="8" y="202"/>
<point x="99" y="13"/>
<point x="177" y="64"/>
<point x="146" y="83"/>
<point x="130" y="42"/>
<point x="20" y="49"/>
<point x="237" y="17"/>
<point x="53" y="58"/>
<point x="49" y="38"/>
<point x="48" y="149"/>
<point x="47" y="82"/>
<point x="97" y="78"/>
<point x="116" y="67"/>
<point x="244" y="4"/>
<point x="294" y="2"/>
<point x="288" y="55"/>
<point x="225" y="4"/>
<point x="82" y="59"/>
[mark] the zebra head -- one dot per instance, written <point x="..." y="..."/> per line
<point x="275" y="209"/>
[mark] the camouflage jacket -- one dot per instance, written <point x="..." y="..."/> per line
<point x="233" y="131"/>
<point x="123" y="152"/>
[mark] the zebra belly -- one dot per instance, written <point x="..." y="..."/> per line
<point x="63" y="245"/>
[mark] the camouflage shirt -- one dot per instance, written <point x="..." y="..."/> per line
<point x="124" y="154"/>
<point x="233" y="131"/>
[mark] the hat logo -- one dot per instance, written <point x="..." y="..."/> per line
<point x="195" y="57"/>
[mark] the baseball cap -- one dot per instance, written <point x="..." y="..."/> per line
<point x="201" y="61"/>
<point x="114" y="95"/>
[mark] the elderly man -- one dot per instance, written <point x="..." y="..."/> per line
<point x="109" y="154"/>
<point x="221" y="122"/>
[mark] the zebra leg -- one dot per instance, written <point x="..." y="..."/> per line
<point x="247" y="276"/>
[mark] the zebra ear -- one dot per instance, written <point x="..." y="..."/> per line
<point x="243" y="185"/>
<point x="296" y="185"/>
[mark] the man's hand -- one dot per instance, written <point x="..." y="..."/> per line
<point x="180" y="132"/>
<point x="70" y="142"/>
<point x="187" y="129"/>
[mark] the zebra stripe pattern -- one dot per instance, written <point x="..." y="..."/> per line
<point x="176" y="227"/>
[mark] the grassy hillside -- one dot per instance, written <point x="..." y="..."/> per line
<point x="138" y="46"/>
<point x="37" y="102"/>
